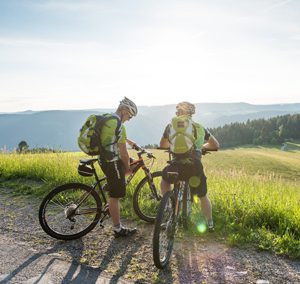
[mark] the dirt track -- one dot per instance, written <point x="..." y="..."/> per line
<point x="28" y="255"/>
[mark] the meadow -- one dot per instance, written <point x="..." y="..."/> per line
<point x="255" y="192"/>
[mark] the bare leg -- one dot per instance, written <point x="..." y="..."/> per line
<point x="165" y="186"/>
<point x="114" y="210"/>
<point x="206" y="208"/>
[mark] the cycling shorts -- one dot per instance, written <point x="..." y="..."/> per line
<point x="192" y="172"/>
<point x="115" y="173"/>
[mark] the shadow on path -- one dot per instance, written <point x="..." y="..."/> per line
<point x="59" y="246"/>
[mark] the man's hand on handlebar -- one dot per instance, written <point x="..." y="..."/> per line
<point x="136" y="147"/>
<point x="133" y="145"/>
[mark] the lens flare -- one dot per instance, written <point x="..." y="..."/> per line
<point x="196" y="199"/>
<point x="201" y="228"/>
<point x="194" y="181"/>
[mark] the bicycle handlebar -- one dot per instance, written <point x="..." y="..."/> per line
<point x="142" y="151"/>
<point x="203" y="150"/>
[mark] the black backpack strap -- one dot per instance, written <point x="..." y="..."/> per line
<point x="195" y="131"/>
<point x="118" y="129"/>
<point x="101" y="119"/>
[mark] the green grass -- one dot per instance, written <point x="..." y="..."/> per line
<point x="261" y="161"/>
<point x="264" y="210"/>
<point x="255" y="192"/>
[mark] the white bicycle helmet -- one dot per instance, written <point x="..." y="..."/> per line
<point x="130" y="105"/>
<point x="186" y="107"/>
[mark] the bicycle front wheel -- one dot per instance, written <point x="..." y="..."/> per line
<point x="164" y="230"/>
<point x="146" y="197"/>
<point x="70" y="211"/>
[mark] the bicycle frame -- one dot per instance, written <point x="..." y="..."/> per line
<point x="140" y="163"/>
<point x="137" y="165"/>
<point x="178" y="192"/>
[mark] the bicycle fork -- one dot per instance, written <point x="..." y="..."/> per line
<point x="177" y="203"/>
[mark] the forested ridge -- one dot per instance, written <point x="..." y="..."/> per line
<point x="259" y="132"/>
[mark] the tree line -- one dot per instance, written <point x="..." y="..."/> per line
<point x="272" y="131"/>
<point x="23" y="148"/>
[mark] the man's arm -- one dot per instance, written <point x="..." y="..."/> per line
<point x="211" y="144"/>
<point x="131" y="143"/>
<point x="164" y="143"/>
<point x="124" y="156"/>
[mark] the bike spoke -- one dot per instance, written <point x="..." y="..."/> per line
<point x="166" y="231"/>
<point x="63" y="215"/>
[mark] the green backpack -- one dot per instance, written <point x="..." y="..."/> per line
<point x="183" y="135"/>
<point x="89" y="137"/>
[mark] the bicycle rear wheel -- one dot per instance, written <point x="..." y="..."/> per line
<point x="186" y="206"/>
<point x="70" y="211"/>
<point x="146" y="197"/>
<point x="164" y="230"/>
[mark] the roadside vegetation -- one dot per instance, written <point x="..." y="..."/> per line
<point x="255" y="191"/>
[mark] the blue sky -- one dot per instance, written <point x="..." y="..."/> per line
<point x="62" y="54"/>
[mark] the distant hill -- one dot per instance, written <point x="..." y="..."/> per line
<point x="59" y="129"/>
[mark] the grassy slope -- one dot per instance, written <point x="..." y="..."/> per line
<point x="254" y="191"/>
<point x="264" y="161"/>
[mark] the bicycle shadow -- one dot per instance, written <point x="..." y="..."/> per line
<point x="165" y="276"/>
<point x="77" y="272"/>
<point x="126" y="249"/>
<point x="196" y="263"/>
<point x="58" y="247"/>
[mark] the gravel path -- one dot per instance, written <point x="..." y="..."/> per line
<point x="28" y="255"/>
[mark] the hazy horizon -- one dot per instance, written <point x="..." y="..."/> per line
<point x="139" y="106"/>
<point x="87" y="54"/>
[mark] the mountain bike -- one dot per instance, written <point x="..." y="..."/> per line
<point x="72" y="210"/>
<point x="168" y="218"/>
